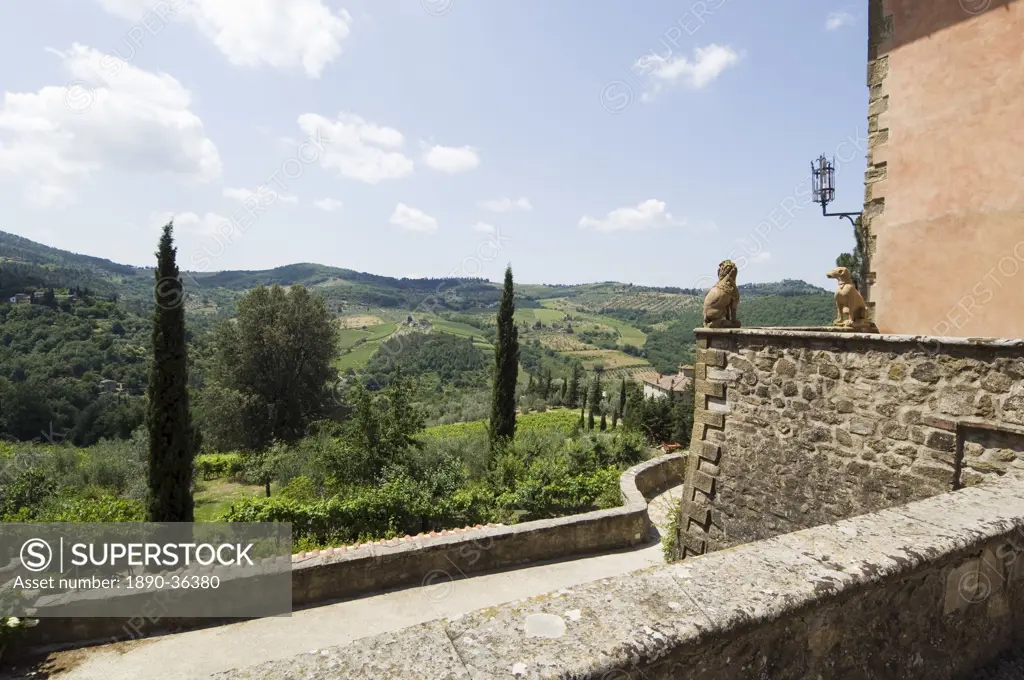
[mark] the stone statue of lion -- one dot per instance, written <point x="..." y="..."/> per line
<point x="723" y="299"/>
<point x="850" y="308"/>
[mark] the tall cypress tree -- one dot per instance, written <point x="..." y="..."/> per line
<point x="506" y="364"/>
<point x="622" y="397"/>
<point x="572" y="400"/>
<point x="171" y="436"/>
<point x="595" y="393"/>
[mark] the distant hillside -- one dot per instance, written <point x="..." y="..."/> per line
<point x="783" y="288"/>
<point x="26" y="265"/>
<point x="80" y="362"/>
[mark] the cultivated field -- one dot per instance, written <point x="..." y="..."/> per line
<point x="563" y="342"/>
<point x="359" y="321"/>
<point x="609" y="358"/>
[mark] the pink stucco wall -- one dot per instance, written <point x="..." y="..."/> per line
<point x="949" y="255"/>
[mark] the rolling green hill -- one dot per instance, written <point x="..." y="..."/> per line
<point x="617" y="327"/>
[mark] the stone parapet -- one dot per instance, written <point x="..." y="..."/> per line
<point x="931" y="590"/>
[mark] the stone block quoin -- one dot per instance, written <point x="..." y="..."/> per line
<point x="880" y="29"/>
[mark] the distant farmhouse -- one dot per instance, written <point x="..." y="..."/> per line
<point x="657" y="385"/>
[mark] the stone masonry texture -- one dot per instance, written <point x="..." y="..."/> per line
<point x="933" y="590"/>
<point x="794" y="429"/>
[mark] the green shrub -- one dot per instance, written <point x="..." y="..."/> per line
<point x="102" y="509"/>
<point x="300" y="490"/>
<point x="215" y="465"/>
<point x="398" y="507"/>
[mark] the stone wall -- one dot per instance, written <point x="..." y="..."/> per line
<point x="793" y="429"/>
<point x="336" y="573"/>
<point x="933" y="178"/>
<point x="931" y="591"/>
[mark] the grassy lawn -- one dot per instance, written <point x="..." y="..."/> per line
<point x="214" y="497"/>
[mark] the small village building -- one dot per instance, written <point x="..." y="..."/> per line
<point x="657" y="385"/>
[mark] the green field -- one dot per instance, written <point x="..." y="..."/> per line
<point x="455" y="328"/>
<point x="544" y="315"/>
<point x="214" y="497"/>
<point x="559" y="419"/>
<point x="610" y="359"/>
<point x="350" y="336"/>
<point x="628" y="335"/>
<point x="361" y="343"/>
<point x="358" y="357"/>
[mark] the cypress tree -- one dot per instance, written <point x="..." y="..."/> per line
<point x="615" y="418"/>
<point x="565" y="387"/>
<point x="622" y="397"/>
<point x="604" y="423"/>
<point x="506" y="363"/>
<point x="171" y="435"/>
<point x="583" y="407"/>
<point x="595" y="396"/>
<point x="530" y="386"/>
<point x="574" y="387"/>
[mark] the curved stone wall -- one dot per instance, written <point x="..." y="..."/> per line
<point x="338" y="573"/>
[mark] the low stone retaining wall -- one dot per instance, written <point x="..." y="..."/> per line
<point x="338" y="573"/>
<point x="437" y="559"/>
<point x="931" y="590"/>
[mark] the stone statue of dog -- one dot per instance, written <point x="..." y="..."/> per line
<point x="723" y="299"/>
<point x="851" y="311"/>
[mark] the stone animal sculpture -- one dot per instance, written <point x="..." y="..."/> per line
<point x="850" y="308"/>
<point x="723" y="299"/>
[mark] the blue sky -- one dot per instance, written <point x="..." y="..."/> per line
<point x="641" y="142"/>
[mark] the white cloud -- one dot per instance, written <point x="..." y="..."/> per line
<point x="284" y="34"/>
<point x="451" y="159"/>
<point x="763" y="256"/>
<point x="358" y="149"/>
<point x="209" y="224"/>
<point x="837" y="20"/>
<point x="485" y="228"/>
<point x="328" y="204"/>
<point x="506" y="205"/>
<point x="650" y="214"/>
<point x="412" y="219"/>
<point x="110" y="116"/>
<point x="263" y="194"/>
<point x="708" y="63"/>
